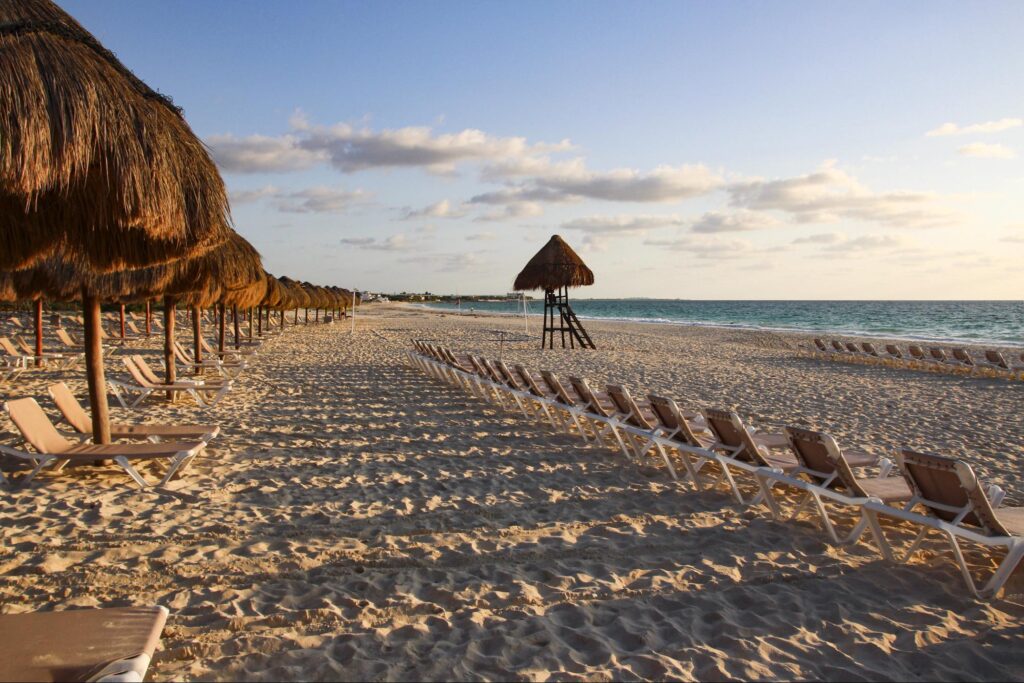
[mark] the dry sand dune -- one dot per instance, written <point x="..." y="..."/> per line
<point x="359" y="520"/>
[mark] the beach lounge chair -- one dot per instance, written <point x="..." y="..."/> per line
<point x="548" y="401"/>
<point x="870" y="350"/>
<point x="639" y="425"/>
<point x="838" y="347"/>
<point x="894" y="353"/>
<point x="962" y="357"/>
<point x="820" y="345"/>
<point x="959" y="509"/>
<point x="53" y="449"/>
<point x="686" y="433"/>
<point x="531" y="406"/>
<point x="13" y="356"/>
<point x="75" y="415"/>
<point x="599" y="411"/>
<point x="30" y="352"/>
<point x="103" y="645"/>
<point x="575" y="408"/>
<point x="9" y="369"/>
<point x="744" y="450"/>
<point x="999" y="362"/>
<point x="832" y="477"/>
<point x="228" y="368"/>
<point x="230" y="352"/>
<point x="922" y="359"/>
<point x="939" y="357"/>
<point x="131" y="394"/>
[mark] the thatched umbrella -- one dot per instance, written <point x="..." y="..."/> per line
<point x="272" y="298"/>
<point x="221" y="276"/>
<point x="94" y="166"/>
<point x="91" y="157"/>
<point x="556" y="268"/>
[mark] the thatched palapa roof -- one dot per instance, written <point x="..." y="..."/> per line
<point x="93" y="162"/>
<point x="555" y="265"/>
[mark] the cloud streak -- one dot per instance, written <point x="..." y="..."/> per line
<point x="983" y="150"/>
<point x="829" y="195"/>
<point x="974" y="128"/>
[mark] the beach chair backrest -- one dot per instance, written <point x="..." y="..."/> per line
<point x="25" y="346"/>
<point x="179" y="353"/>
<point x="36" y="427"/>
<point x="819" y="452"/>
<point x="673" y="421"/>
<point x="8" y="347"/>
<point x="996" y="358"/>
<point x="134" y="330"/>
<point x="852" y="348"/>
<point x="949" y="489"/>
<point x="893" y="351"/>
<point x="528" y="379"/>
<point x="492" y="372"/>
<point x="554" y="384"/>
<point x="133" y="370"/>
<point x="507" y="375"/>
<point x="205" y="345"/>
<point x="625" y="404"/>
<point x="937" y="353"/>
<point x="730" y="431"/>
<point x="479" y="369"/>
<point x="869" y="348"/>
<point x="65" y="338"/>
<point x="837" y="346"/>
<point x="146" y="370"/>
<point x="916" y="351"/>
<point x="820" y="344"/>
<point x="582" y="388"/>
<point x="15" y="322"/>
<point x="961" y="355"/>
<point x="70" y="408"/>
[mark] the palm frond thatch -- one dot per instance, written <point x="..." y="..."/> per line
<point x="93" y="162"/>
<point x="555" y="265"/>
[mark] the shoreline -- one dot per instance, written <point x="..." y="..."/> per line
<point x="804" y="333"/>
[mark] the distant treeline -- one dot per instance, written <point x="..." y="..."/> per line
<point x="448" y="298"/>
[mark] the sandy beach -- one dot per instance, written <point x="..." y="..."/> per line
<point x="359" y="520"/>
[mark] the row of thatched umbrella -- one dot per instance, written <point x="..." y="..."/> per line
<point x="106" y="195"/>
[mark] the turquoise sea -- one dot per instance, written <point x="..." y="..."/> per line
<point x="995" y="322"/>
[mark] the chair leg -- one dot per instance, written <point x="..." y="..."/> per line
<point x="132" y="472"/>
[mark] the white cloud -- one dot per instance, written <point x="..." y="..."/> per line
<point x="449" y="262"/>
<point x="624" y="224"/>
<point x="481" y="237"/>
<point x="441" y="209"/>
<point x="737" y="221"/>
<point x="830" y="194"/>
<point x="261" y="154"/>
<point x="511" y="211"/>
<point x="397" y="242"/>
<point x="1015" y="239"/>
<point x="311" y="200"/>
<point x="707" y="247"/>
<point x="869" y="243"/>
<point x="349" y="148"/>
<point x="986" y="127"/>
<point x="821" y="238"/>
<point x="983" y="150"/>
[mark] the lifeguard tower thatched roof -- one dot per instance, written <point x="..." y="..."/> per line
<point x="555" y="266"/>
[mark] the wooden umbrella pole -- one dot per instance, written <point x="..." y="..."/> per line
<point x="234" y="320"/>
<point x="171" y="372"/>
<point x="94" y="369"/>
<point x="282" y="318"/>
<point x="122" y="321"/>
<point x="149" y="319"/>
<point x="259" y="321"/>
<point x="296" y="321"/>
<point x="222" y="324"/>
<point x="251" y="311"/>
<point x="39" y="332"/>
<point x="197" y="335"/>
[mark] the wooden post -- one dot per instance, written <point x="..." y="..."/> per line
<point x="94" y="369"/>
<point x="122" y="321"/>
<point x="259" y="321"/>
<point x="251" y="311"/>
<point x="282" y="318"/>
<point x="234" y="320"/>
<point x="221" y="322"/>
<point x="197" y="335"/>
<point x="171" y="370"/>
<point x="39" y="332"/>
<point x="149" y="319"/>
<point x="307" y="316"/>
<point x="296" y="321"/>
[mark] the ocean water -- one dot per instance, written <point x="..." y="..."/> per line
<point x="993" y="322"/>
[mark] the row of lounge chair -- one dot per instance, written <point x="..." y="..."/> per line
<point x="933" y="492"/>
<point x="934" y="358"/>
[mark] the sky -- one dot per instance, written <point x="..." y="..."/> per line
<point x="696" y="150"/>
